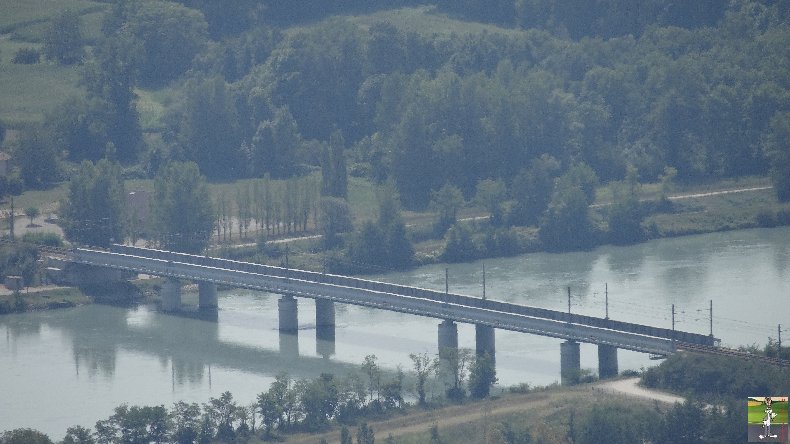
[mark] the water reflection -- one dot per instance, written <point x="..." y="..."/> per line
<point x="187" y="371"/>
<point x="154" y="358"/>
<point x="98" y="333"/>
<point x="683" y="263"/>
<point x="325" y="340"/>
<point x="625" y="262"/>
<point x="97" y="359"/>
<point x="289" y="346"/>
<point x="20" y="326"/>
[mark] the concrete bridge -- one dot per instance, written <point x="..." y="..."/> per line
<point x="326" y="289"/>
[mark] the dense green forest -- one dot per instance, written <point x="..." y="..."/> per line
<point x="544" y="100"/>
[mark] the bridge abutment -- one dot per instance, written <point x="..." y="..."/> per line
<point x="288" y="311"/>
<point x="324" y="327"/>
<point x="607" y="361"/>
<point x="171" y="295"/>
<point x="485" y="343"/>
<point x="570" y="362"/>
<point x="207" y="296"/>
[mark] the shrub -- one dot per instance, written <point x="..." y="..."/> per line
<point x="27" y="56"/>
<point x="43" y="239"/>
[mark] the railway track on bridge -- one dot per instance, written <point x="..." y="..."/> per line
<point x="421" y="293"/>
<point x="733" y="353"/>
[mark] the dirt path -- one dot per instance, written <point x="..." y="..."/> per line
<point x="476" y="218"/>
<point x="29" y="290"/>
<point x="630" y="387"/>
<point x="538" y="405"/>
<point x="696" y="195"/>
<point x="718" y="193"/>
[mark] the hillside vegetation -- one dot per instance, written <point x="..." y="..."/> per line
<point x="518" y="108"/>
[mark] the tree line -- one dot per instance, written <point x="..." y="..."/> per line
<point x="424" y="110"/>
<point x="287" y="406"/>
<point x="703" y="95"/>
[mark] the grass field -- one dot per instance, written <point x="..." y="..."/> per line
<point x="16" y="14"/>
<point x="426" y="20"/>
<point x="757" y="412"/>
<point x="28" y="92"/>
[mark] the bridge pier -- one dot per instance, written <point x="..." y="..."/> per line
<point x="607" y="361"/>
<point x="570" y="362"/>
<point x="485" y="344"/>
<point x="448" y="337"/>
<point x="289" y="320"/>
<point x="448" y="350"/>
<point x="324" y="327"/>
<point x="207" y="296"/>
<point x="324" y="313"/>
<point x="171" y="295"/>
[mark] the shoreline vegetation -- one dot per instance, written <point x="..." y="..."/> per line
<point x="723" y="206"/>
<point x="683" y="397"/>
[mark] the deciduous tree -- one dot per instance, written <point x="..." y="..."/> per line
<point x="532" y="189"/>
<point x="490" y="194"/>
<point x="446" y="202"/>
<point x="78" y="435"/>
<point x="63" y="39"/>
<point x="186" y="422"/>
<point x="482" y="376"/>
<point x="93" y="212"/>
<point x="182" y="210"/>
<point x="24" y="436"/>
<point x="424" y="366"/>
<point x="37" y="157"/>
<point x="566" y="224"/>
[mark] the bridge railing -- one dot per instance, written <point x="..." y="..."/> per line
<point x="451" y="298"/>
<point x="374" y="299"/>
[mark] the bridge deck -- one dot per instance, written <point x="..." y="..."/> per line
<point x="487" y="304"/>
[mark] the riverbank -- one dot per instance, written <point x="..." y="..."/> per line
<point x="45" y="297"/>
<point x="471" y="421"/>
<point x="50" y="297"/>
<point x="140" y="356"/>
<point x="726" y="205"/>
<point x="723" y="206"/>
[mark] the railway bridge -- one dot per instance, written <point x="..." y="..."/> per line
<point x="327" y="289"/>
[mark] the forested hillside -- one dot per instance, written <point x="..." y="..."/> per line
<point x="518" y="93"/>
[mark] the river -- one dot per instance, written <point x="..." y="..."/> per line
<point x="73" y="366"/>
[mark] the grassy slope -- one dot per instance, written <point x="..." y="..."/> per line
<point x="425" y="20"/>
<point x="546" y="413"/>
<point x="15" y="14"/>
<point x="28" y="92"/>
